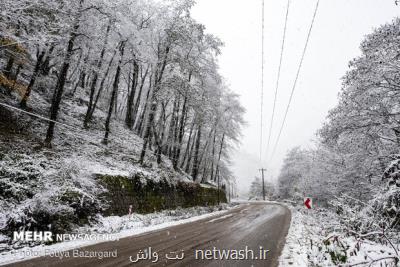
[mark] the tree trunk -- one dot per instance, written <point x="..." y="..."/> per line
<point x="78" y="83"/>
<point x="114" y="93"/>
<point x="45" y="67"/>
<point x="59" y="89"/>
<point x="204" y="173"/>
<point x="157" y="80"/>
<point x="177" y="151"/>
<point x="140" y="125"/>
<point x="175" y="130"/>
<point x="33" y="79"/>
<point x="220" y="152"/>
<point x="137" y="103"/>
<point x="397" y="134"/>
<point x="77" y="66"/>
<point x="195" y="170"/>
<point x="82" y="75"/>
<point x="95" y="77"/>
<point x="16" y="74"/>
<point x="213" y="156"/>
<point x="159" y="140"/>
<point x="8" y="70"/>
<point x="188" y="144"/>
<point x="171" y="130"/>
<point x="147" y="134"/>
<point x="129" y="121"/>
<point x="92" y="107"/>
<point x="189" y="161"/>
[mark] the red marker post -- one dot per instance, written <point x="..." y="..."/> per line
<point x="308" y="203"/>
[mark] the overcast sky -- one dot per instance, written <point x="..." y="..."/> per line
<point x="338" y="30"/>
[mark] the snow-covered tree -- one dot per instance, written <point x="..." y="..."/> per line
<point x="146" y="63"/>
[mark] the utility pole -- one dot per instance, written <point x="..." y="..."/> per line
<point x="263" y="187"/>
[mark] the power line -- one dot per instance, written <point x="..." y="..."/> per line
<point x="278" y="77"/>
<point x="296" y="79"/>
<point x="74" y="128"/>
<point x="262" y="79"/>
<point x="83" y="134"/>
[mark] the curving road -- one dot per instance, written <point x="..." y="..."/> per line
<point x="252" y="234"/>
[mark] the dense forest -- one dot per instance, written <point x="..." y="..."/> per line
<point x="111" y="89"/>
<point x="356" y="150"/>
<point x="353" y="167"/>
<point x="147" y="64"/>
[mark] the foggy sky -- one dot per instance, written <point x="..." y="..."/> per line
<point x="338" y="30"/>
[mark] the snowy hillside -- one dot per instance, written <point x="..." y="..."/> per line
<point x="123" y="89"/>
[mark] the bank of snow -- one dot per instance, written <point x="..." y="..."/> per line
<point x="294" y="252"/>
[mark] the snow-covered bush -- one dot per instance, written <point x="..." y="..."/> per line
<point x="358" y="233"/>
<point x="367" y="233"/>
<point x="387" y="206"/>
<point x="392" y="172"/>
<point x="387" y="203"/>
<point x="35" y="195"/>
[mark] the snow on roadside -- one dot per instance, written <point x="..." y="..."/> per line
<point x="367" y="253"/>
<point x="119" y="227"/>
<point x="293" y="253"/>
<point x="316" y="238"/>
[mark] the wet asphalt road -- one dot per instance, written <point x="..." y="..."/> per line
<point x="253" y="231"/>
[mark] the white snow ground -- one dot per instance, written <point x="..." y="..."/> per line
<point x="294" y="252"/>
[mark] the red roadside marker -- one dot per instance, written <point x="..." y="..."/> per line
<point x="308" y="202"/>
